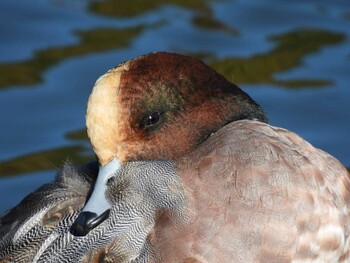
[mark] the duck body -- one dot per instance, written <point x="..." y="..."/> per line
<point x="190" y="171"/>
<point x="278" y="203"/>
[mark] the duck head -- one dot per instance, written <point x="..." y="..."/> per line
<point x="158" y="106"/>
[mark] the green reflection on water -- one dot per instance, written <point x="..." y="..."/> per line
<point x="79" y="135"/>
<point x="291" y="48"/>
<point x="50" y="159"/>
<point x="44" y="160"/>
<point x="208" y="22"/>
<point x="98" y="40"/>
<point x="202" y="19"/>
<point x="138" y="7"/>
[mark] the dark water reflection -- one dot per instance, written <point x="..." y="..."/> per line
<point x="292" y="57"/>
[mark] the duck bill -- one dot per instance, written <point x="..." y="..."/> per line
<point x="96" y="210"/>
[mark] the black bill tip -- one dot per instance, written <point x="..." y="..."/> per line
<point x="87" y="221"/>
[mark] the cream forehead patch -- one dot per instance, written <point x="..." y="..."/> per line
<point x="102" y="114"/>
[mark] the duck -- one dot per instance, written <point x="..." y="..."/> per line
<point x="217" y="183"/>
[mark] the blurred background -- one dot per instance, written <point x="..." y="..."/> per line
<point x="292" y="57"/>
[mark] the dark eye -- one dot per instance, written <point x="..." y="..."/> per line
<point x="152" y="119"/>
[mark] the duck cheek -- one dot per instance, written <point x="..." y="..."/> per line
<point x="96" y="210"/>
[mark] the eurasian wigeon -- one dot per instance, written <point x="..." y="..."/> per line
<point x="240" y="190"/>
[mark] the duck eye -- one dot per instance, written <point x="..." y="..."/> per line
<point x="152" y="119"/>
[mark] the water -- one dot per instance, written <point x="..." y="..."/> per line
<point x="292" y="57"/>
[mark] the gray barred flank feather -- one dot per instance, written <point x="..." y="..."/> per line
<point x="138" y="193"/>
